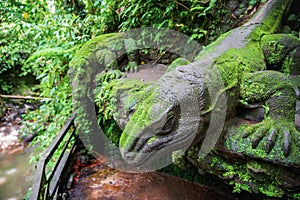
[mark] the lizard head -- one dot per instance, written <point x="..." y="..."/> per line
<point x="155" y="129"/>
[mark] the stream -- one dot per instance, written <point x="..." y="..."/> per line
<point x="16" y="174"/>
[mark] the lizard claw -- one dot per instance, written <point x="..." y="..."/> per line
<point x="271" y="133"/>
<point x="271" y="139"/>
<point x="258" y="136"/>
<point x="248" y="131"/>
<point x="287" y="143"/>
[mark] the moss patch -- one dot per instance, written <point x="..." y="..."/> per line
<point x="140" y="119"/>
<point x="113" y="41"/>
<point x="251" y="176"/>
<point x="176" y="63"/>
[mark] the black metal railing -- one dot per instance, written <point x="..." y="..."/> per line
<point x="47" y="183"/>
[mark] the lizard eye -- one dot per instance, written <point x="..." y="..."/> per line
<point x="169" y="125"/>
<point x="132" y="110"/>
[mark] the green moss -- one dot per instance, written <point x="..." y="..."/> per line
<point x="177" y="62"/>
<point x="244" y="175"/>
<point x="140" y="119"/>
<point x="264" y="172"/>
<point x="274" y="52"/>
<point x="152" y="140"/>
<point x="259" y="86"/>
<point x="107" y="58"/>
<point x="113" y="41"/>
<point x="131" y="67"/>
<point x="236" y="62"/>
<point x="234" y="66"/>
<point x="243" y="145"/>
<point x="131" y="91"/>
<point x="271" y="191"/>
<point x="270" y="20"/>
<point x="296" y="196"/>
<point x="281" y="52"/>
<point x="179" y="159"/>
<point x="289" y="65"/>
<point x="235" y="172"/>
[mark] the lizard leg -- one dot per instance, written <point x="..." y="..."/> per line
<point x="277" y="131"/>
<point x="282" y="52"/>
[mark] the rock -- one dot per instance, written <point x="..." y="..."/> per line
<point x="3" y="180"/>
<point x="28" y="138"/>
<point x="2" y="108"/>
<point x="9" y="138"/>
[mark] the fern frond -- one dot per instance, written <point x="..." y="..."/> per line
<point x="50" y="52"/>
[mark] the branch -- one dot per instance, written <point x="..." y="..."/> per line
<point x="23" y="97"/>
<point x="182" y="5"/>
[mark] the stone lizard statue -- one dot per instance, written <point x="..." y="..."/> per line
<point x="185" y="109"/>
<point x="241" y="57"/>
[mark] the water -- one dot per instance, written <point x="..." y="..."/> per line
<point x="16" y="176"/>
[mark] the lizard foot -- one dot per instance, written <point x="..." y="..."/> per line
<point x="269" y="132"/>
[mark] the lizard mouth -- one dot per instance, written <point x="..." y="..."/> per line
<point x="155" y="145"/>
<point x="144" y="149"/>
<point x="149" y="154"/>
<point x="146" y="146"/>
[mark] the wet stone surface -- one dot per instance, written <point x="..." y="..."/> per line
<point x="101" y="182"/>
<point x="11" y="140"/>
<point x="10" y="127"/>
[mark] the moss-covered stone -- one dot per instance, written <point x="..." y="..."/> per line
<point x="244" y="145"/>
<point x="274" y="52"/>
<point x="123" y="96"/>
<point x="282" y="52"/>
<point x="261" y="85"/>
<point x="108" y="42"/>
<point x="248" y="174"/>
<point x="269" y="19"/>
<point x="140" y="117"/>
<point x="176" y="63"/>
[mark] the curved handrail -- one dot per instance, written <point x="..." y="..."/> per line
<point x="47" y="187"/>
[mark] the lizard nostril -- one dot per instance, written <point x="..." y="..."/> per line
<point x="130" y="156"/>
<point x="131" y="111"/>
